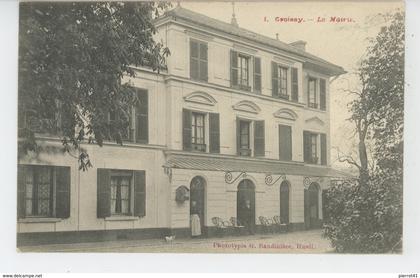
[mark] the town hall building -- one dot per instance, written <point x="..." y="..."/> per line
<point x="237" y="122"/>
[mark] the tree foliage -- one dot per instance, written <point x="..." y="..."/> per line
<point x="72" y="58"/>
<point x="366" y="216"/>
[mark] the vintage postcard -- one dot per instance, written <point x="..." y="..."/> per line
<point x="211" y="127"/>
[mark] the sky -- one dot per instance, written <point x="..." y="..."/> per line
<point x="341" y="43"/>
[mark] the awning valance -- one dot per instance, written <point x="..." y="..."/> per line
<point x="207" y="162"/>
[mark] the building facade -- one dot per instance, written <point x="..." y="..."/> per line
<point x="237" y="121"/>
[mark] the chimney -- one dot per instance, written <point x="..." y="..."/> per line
<point x="299" y="44"/>
<point x="277" y="36"/>
<point x="233" y="20"/>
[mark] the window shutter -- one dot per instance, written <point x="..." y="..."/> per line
<point x="257" y="74"/>
<point x="103" y="193"/>
<point x="233" y="68"/>
<point x="285" y="142"/>
<point x="186" y="129"/>
<point x="194" y="59"/>
<point x="306" y="146"/>
<point x="323" y="149"/>
<point x="139" y="193"/>
<point x="295" y="86"/>
<point x="214" y="126"/>
<point x="238" y="136"/>
<point x="322" y="94"/>
<point x="142" y="118"/>
<point x="203" y="62"/>
<point x="21" y="179"/>
<point x="259" y="138"/>
<point x="62" y="192"/>
<point x="274" y="79"/>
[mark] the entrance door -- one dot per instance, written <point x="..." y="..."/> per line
<point x="284" y="202"/>
<point x="197" y="190"/>
<point x="312" y="207"/>
<point x="245" y="205"/>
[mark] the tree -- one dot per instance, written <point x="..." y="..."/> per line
<point x="72" y="58"/>
<point x="366" y="216"/>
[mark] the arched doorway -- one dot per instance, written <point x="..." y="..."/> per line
<point x="245" y="206"/>
<point x="311" y="200"/>
<point x="197" y="198"/>
<point x="284" y="202"/>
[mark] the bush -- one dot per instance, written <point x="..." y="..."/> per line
<point x="364" y="219"/>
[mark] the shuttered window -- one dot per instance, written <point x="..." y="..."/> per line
<point x="243" y="137"/>
<point x="198" y="60"/>
<point x="279" y="81"/>
<point x="323" y="149"/>
<point x="285" y="142"/>
<point x="259" y="138"/>
<point x="322" y="94"/>
<point x="241" y="76"/>
<point x="120" y="192"/>
<point x="295" y="85"/>
<point x="257" y="75"/>
<point x="186" y="129"/>
<point x="214" y="132"/>
<point x="43" y="191"/>
<point x="142" y="117"/>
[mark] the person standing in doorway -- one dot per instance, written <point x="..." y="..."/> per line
<point x="195" y="219"/>
<point x="248" y="217"/>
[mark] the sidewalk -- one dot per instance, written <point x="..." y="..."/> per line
<point x="296" y="242"/>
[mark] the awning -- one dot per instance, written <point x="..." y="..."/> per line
<point x="223" y="163"/>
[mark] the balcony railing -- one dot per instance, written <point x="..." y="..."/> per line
<point x="198" y="147"/>
<point x="245" y="152"/>
<point x="313" y="105"/>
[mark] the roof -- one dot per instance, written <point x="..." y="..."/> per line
<point x="202" y="20"/>
<point x="226" y="163"/>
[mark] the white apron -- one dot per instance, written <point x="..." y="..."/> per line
<point x="195" y="225"/>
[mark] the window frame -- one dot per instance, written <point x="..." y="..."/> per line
<point x="200" y="147"/>
<point x="314" y="104"/>
<point x="314" y="148"/>
<point x="283" y="77"/>
<point x="120" y="174"/>
<point x="247" y="58"/>
<point x="34" y="169"/>
<point x="245" y="151"/>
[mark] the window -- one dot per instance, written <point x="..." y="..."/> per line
<point x="280" y="81"/>
<point x="197" y="131"/>
<point x="250" y="138"/>
<point x="311" y="147"/>
<point x="245" y="72"/>
<point x="43" y="191"/>
<point x="121" y="193"/>
<point x="136" y="119"/>
<point x="243" y="66"/>
<point x="39" y="192"/>
<point x="244" y="138"/>
<point x="314" y="148"/>
<point x="285" y="142"/>
<point x="198" y="60"/>
<point x="283" y="83"/>
<point x="196" y="126"/>
<point x="312" y="93"/>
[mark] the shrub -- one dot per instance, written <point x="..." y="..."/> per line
<point x="364" y="219"/>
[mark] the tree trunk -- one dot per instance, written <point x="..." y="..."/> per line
<point x="363" y="170"/>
